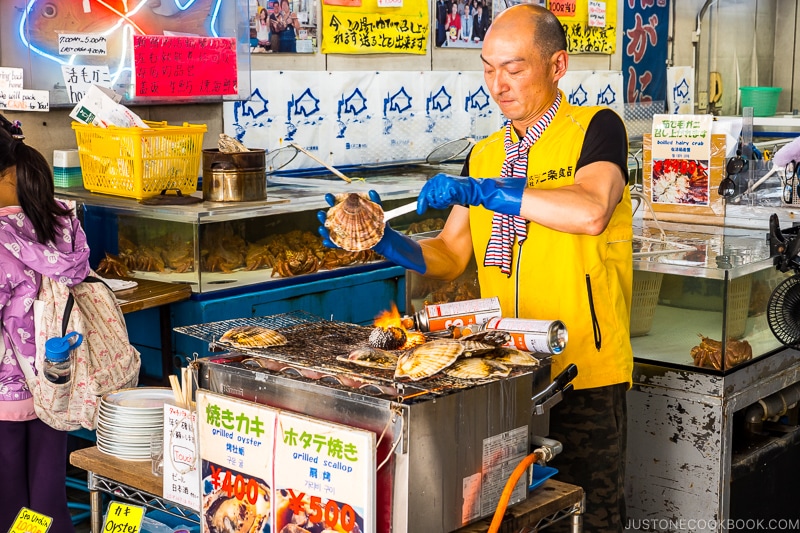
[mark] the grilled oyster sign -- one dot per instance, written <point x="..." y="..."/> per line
<point x="267" y="470"/>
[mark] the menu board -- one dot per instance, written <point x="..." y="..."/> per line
<point x="284" y="469"/>
<point x="63" y="47"/>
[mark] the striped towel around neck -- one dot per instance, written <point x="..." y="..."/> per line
<point x="507" y="228"/>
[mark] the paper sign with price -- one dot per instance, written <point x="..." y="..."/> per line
<point x="324" y="475"/>
<point x="29" y="521"/>
<point x="236" y="442"/>
<point x="123" y="518"/>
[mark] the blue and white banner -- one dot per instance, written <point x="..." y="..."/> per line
<point x="644" y="50"/>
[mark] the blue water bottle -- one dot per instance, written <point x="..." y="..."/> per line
<point x="57" y="356"/>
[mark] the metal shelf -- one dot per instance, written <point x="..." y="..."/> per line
<point x="151" y="501"/>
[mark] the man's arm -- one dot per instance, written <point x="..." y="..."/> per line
<point x="582" y="208"/>
<point x="448" y="254"/>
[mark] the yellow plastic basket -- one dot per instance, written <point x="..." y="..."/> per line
<point x="140" y="162"/>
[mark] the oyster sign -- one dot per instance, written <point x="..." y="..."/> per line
<point x="282" y="469"/>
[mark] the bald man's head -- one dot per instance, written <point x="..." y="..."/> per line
<point x="547" y="34"/>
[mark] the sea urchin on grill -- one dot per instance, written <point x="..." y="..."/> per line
<point x="391" y="338"/>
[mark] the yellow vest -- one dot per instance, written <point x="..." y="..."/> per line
<point x="583" y="280"/>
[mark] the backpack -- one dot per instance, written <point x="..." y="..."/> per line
<point x="104" y="362"/>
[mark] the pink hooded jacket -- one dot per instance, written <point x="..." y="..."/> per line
<point x="23" y="260"/>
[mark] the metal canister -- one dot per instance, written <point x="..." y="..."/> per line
<point x="541" y="336"/>
<point x="435" y="317"/>
<point x="234" y="177"/>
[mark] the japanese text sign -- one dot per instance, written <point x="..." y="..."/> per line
<point x="123" y="518"/>
<point x="325" y="473"/>
<point x="372" y="29"/>
<point x="181" y="457"/>
<point x="29" y="521"/>
<point x="681" y="155"/>
<point x="184" y="66"/>
<point x="590" y="26"/>
<point x="236" y="450"/>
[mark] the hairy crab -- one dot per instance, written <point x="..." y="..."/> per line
<point x="708" y="353"/>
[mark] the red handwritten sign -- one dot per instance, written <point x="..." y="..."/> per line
<point x="563" y="8"/>
<point x="184" y="66"/>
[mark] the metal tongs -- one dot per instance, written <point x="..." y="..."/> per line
<point x="553" y="393"/>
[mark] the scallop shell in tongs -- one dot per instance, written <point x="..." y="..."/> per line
<point x="477" y="368"/>
<point x="252" y="337"/>
<point x="428" y="359"/>
<point x="355" y="223"/>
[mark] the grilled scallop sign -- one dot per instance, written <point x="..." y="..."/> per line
<point x="355" y="223"/>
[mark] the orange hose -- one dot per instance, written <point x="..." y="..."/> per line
<point x="521" y="468"/>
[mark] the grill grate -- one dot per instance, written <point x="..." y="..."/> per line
<point x="311" y="351"/>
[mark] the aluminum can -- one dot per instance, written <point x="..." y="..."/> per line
<point x="435" y="317"/>
<point x="540" y="336"/>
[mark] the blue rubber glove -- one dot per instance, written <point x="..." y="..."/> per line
<point x="503" y="195"/>
<point x="394" y="246"/>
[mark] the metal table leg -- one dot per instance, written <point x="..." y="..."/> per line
<point x="576" y="520"/>
<point x="96" y="504"/>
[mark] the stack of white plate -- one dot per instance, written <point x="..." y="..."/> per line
<point x="128" y="419"/>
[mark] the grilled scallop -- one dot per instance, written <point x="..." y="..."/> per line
<point x="483" y="342"/>
<point x="371" y="357"/>
<point x="252" y="337"/>
<point x="512" y="356"/>
<point x="428" y="359"/>
<point x="477" y="368"/>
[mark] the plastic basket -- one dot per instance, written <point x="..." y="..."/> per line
<point x="140" y="162"/>
<point x="738" y="306"/>
<point x="646" y="286"/>
<point x="763" y="100"/>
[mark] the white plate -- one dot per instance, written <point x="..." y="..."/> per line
<point x="124" y="440"/>
<point x="128" y="447"/>
<point x="127" y="457"/>
<point x="131" y="420"/>
<point x="148" y="398"/>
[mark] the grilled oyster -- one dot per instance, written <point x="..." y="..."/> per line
<point x="477" y="368"/>
<point x="252" y="337"/>
<point x="355" y="223"/>
<point x="224" y="514"/>
<point x="390" y="338"/>
<point x="427" y="359"/>
<point x="512" y="356"/>
<point x="371" y="357"/>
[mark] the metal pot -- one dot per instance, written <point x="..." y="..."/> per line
<point x="234" y="177"/>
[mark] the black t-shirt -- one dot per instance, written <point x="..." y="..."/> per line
<point x="605" y="140"/>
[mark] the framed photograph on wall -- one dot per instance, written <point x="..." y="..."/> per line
<point x="462" y="23"/>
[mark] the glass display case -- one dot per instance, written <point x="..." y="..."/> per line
<point x="223" y="245"/>
<point x="700" y="292"/>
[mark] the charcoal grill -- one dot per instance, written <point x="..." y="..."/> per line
<point x="440" y="438"/>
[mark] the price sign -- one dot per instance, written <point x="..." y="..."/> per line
<point x="28" y="521"/>
<point x="234" y="484"/>
<point x="236" y="443"/>
<point x="324" y="475"/>
<point x="123" y="518"/>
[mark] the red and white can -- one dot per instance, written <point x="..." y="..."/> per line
<point x="540" y="336"/>
<point x="435" y="317"/>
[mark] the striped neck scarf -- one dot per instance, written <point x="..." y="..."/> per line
<point x="507" y="228"/>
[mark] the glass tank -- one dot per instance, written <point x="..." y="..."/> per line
<point x="222" y="245"/>
<point x="700" y="296"/>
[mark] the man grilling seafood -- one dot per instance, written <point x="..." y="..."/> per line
<point x="551" y="237"/>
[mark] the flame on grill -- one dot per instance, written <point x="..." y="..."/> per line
<point x="392" y="318"/>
